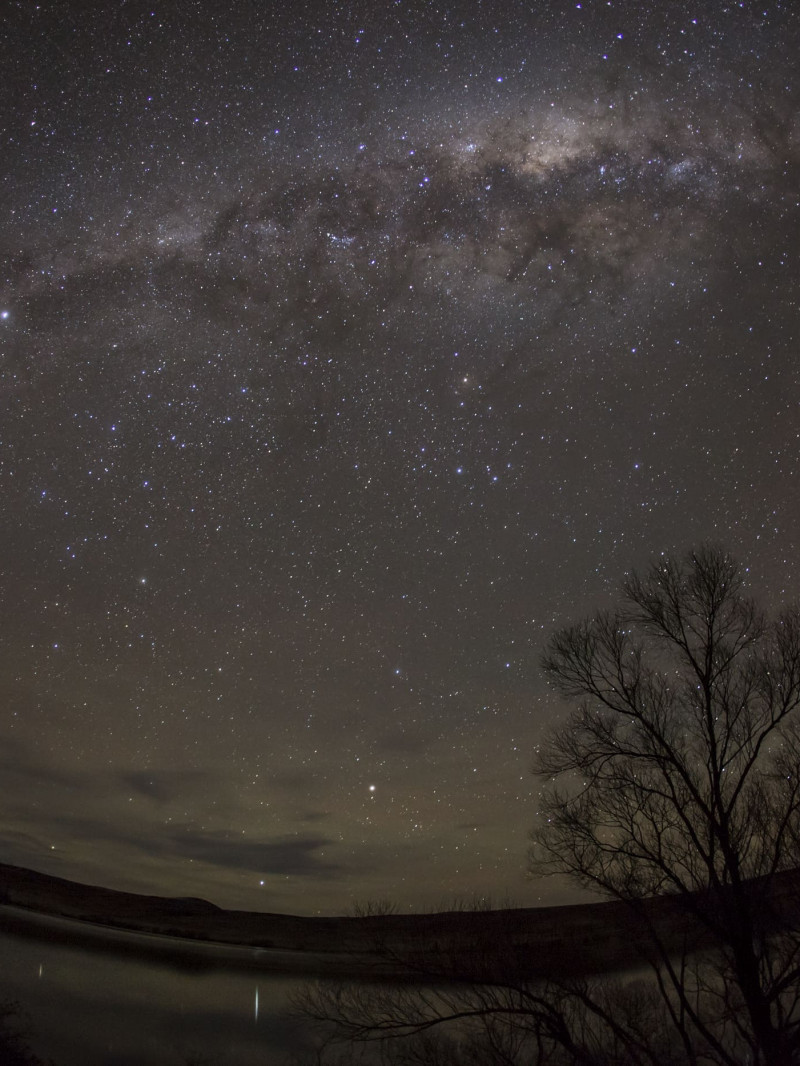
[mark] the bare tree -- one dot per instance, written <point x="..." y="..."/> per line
<point x="679" y="773"/>
<point x="369" y="908"/>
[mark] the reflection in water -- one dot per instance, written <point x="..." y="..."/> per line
<point x="111" y="999"/>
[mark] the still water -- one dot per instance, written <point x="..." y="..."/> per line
<point x="119" y="999"/>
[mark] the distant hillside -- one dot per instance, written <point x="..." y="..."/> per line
<point x="546" y="941"/>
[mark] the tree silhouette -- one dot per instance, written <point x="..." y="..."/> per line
<point x="679" y="773"/>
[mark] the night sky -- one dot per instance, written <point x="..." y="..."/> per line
<point x="346" y="349"/>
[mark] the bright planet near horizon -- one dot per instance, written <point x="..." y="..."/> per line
<point x="348" y="350"/>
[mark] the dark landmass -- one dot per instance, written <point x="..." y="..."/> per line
<point x="575" y="940"/>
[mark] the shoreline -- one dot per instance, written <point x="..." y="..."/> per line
<point x="574" y="940"/>
<point x="185" y="952"/>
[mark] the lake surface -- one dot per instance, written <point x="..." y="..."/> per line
<point x="108" y="998"/>
<point x="95" y="996"/>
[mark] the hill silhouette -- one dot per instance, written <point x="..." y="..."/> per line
<point x="548" y="942"/>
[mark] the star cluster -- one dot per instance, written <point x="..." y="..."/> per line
<point x="344" y="352"/>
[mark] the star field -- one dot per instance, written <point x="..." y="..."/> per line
<point x="345" y="351"/>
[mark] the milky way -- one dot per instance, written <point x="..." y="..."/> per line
<point x="343" y="356"/>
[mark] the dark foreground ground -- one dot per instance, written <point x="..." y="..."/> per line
<point x="554" y="942"/>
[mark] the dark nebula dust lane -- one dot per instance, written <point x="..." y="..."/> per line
<point x="343" y="353"/>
